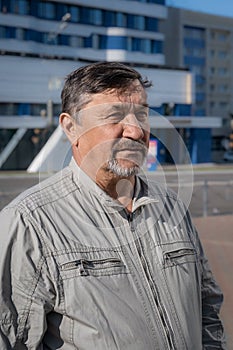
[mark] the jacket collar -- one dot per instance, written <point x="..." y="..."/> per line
<point x="142" y="194"/>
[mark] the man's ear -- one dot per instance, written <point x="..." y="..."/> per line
<point x="69" y="126"/>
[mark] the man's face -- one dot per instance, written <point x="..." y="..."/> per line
<point x="114" y="132"/>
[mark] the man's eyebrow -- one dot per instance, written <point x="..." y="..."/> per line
<point x="145" y="105"/>
<point x="118" y="106"/>
<point x="142" y="106"/>
<point x="123" y="105"/>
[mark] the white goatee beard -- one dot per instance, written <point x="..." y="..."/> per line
<point x="118" y="170"/>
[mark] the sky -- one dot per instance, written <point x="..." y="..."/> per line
<point x="217" y="7"/>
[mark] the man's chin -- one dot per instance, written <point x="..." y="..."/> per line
<point x="123" y="168"/>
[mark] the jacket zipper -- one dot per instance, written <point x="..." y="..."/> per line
<point x="166" y="327"/>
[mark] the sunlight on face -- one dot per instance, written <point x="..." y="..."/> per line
<point x="114" y="132"/>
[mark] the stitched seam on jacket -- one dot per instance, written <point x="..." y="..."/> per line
<point x="25" y="313"/>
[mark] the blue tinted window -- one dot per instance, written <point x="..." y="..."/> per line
<point x="7" y="32"/>
<point x="191" y="60"/>
<point x="61" y="10"/>
<point x="113" y="42"/>
<point x="182" y="109"/>
<point x="63" y="39"/>
<point x="85" y="15"/>
<point x="200" y="96"/>
<point x="75" y="13"/>
<point x="103" y="41"/>
<point x="157" y="46"/>
<point x="87" y="42"/>
<point x="151" y="24"/>
<point x="47" y="10"/>
<point x="200" y="112"/>
<point x="139" y="22"/>
<point x="49" y="38"/>
<point x="200" y="79"/>
<point x="135" y="22"/>
<point x="109" y="18"/>
<point x="20" y="34"/>
<point x="20" y="6"/>
<point x="146" y="45"/>
<point x="23" y="108"/>
<point x="33" y="35"/>
<point x="130" y="21"/>
<point x="10" y="32"/>
<point x="121" y="19"/>
<point x="2" y="32"/>
<point x="97" y="17"/>
<point x="199" y="43"/>
<point x="136" y="44"/>
<point x="159" y="110"/>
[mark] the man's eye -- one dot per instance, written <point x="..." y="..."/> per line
<point x="115" y="117"/>
<point x="141" y="116"/>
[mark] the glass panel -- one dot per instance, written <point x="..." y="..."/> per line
<point x="121" y="20"/>
<point x="19" y="6"/>
<point x="76" y="41"/>
<point x="75" y="13"/>
<point x="146" y="45"/>
<point x="47" y="10"/>
<point x="139" y="22"/>
<point x="20" y="33"/>
<point x="2" y="32"/>
<point x="109" y="18"/>
<point x="63" y="39"/>
<point x="8" y="108"/>
<point x="157" y="46"/>
<point x="87" y="42"/>
<point x="23" y="7"/>
<point x="85" y="15"/>
<point x="49" y="38"/>
<point x="37" y="108"/>
<point x="10" y="32"/>
<point x="136" y="44"/>
<point x="151" y="24"/>
<point x="136" y="22"/>
<point x="194" y="32"/>
<point x="97" y="17"/>
<point x="102" y="42"/>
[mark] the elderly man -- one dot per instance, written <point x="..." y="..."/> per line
<point x="96" y="257"/>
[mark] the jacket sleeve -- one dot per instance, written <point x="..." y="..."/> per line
<point x="213" y="336"/>
<point x="26" y="290"/>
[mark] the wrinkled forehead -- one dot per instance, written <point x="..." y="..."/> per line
<point x="133" y="93"/>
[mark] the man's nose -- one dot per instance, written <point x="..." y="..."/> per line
<point x="132" y="128"/>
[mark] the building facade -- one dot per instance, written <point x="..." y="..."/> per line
<point x="204" y="43"/>
<point x="42" y="41"/>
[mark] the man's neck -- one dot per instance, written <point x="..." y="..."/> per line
<point x="119" y="188"/>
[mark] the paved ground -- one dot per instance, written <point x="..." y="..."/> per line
<point x="216" y="234"/>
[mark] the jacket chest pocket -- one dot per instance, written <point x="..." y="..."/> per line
<point x="179" y="254"/>
<point x="85" y="266"/>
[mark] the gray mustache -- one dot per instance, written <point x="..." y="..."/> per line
<point x="129" y="145"/>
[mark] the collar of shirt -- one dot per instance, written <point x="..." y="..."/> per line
<point x="141" y="191"/>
